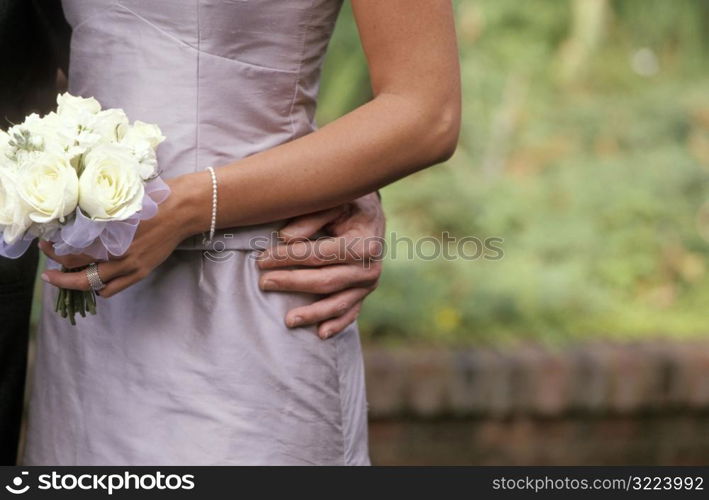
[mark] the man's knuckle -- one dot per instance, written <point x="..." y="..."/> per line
<point x="360" y="249"/>
<point x="327" y="284"/>
<point x="315" y="259"/>
<point x="373" y="248"/>
<point x="372" y="274"/>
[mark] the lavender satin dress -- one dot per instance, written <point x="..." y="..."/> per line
<point x="194" y="365"/>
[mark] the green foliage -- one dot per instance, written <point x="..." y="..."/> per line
<point x="585" y="146"/>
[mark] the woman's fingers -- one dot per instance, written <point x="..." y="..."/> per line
<point x="321" y="280"/>
<point x="77" y="280"/>
<point x="332" y="306"/>
<point x="119" y="284"/>
<point x="334" y="326"/>
<point x="69" y="261"/>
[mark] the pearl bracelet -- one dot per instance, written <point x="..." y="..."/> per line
<point x="213" y="225"/>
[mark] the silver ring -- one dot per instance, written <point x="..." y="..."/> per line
<point x="94" y="279"/>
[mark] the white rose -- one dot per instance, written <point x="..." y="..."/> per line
<point x="110" y="124"/>
<point x="14" y="219"/>
<point x="22" y="157"/>
<point x="75" y="115"/>
<point x="8" y="196"/>
<point x="143" y="138"/>
<point x="21" y="141"/>
<point x="147" y="162"/>
<point x="4" y="148"/>
<point x="110" y="187"/>
<point x="45" y="132"/>
<point x="80" y="143"/>
<point x="48" y="184"/>
<point x="71" y="106"/>
<point x="145" y="131"/>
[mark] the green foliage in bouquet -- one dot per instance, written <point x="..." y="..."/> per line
<point x="69" y="303"/>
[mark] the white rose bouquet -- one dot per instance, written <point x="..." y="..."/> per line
<point x="82" y="178"/>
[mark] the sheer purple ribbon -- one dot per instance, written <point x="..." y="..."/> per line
<point x="16" y="249"/>
<point x="98" y="239"/>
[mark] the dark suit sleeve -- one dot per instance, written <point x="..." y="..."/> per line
<point x="51" y="19"/>
<point x="34" y="44"/>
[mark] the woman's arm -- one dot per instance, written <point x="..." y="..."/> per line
<point x="411" y="123"/>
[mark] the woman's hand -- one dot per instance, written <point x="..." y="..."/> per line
<point x="154" y="241"/>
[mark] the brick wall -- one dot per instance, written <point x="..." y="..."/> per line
<point x="644" y="403"/>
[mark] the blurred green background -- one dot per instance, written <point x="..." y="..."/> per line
<point x="585" y="146"/>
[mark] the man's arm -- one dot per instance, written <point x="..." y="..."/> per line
<point x="30" y="59"/>
<point x="34" y="44"/>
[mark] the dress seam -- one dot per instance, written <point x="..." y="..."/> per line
<point x="196" y="46"/>
<point x="343" y="425"/>
<point x="197" y="91"/>
<point x="299" y="72"/>
<point x="100" y="12"/>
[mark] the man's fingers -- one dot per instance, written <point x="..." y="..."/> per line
<point x="69" y="261"/>
<point x="330" y="307"/>
<point x="322" y="252"/>
<point x="315" y="253"/>
<point x="321" y="280"/>
<point x="77" y="280"/>
<point x="308" y="225"/>
<point x="334" y="326"/>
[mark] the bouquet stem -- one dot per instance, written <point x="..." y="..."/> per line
<point x="71" y="302"/>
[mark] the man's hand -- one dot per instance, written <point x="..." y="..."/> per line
<point x="344" y="267"/>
